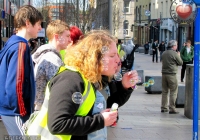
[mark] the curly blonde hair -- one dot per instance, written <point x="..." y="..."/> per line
<point x="87" y="54"/>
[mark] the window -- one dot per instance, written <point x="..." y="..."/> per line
<point x="126" y="24"/>
<point x="126" y="6"/>
<point x="53" y="18"/>
<point x="55" y="10"/>
<point x="1" y="4"/>
<point x="53" y="14"/>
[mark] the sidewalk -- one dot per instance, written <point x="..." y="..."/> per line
<point x="140" y="118"/>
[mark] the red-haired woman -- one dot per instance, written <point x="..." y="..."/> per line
<point x="75" y="35"/>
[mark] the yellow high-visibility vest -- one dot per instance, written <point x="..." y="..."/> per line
<point x="118" y="48"/>
<point x="39" y="125"/>
<point x="62" y="54"/>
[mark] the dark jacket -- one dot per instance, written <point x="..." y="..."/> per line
<point x="187" y="57"/>
<point x="17" y="83"/>
<point x="146" y="46"/>
<point x="162" y="47"/>
<point x="170" y="62"/>
<point x="155" y="46"/>
<point x="61" y="119"/>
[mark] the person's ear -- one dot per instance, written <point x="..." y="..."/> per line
<point x="56" y="36"/>
<point x="27" y="22"/>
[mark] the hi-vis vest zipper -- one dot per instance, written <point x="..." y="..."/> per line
<point x="39" y="125"/>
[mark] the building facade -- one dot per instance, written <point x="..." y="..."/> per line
<point x="116" y="16"/>
<point x="142" y="21"/>
<point x="167" y="29"/>
<point x="123" y="22"/>
<point x="153" y="21"/>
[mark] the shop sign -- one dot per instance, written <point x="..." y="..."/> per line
<point x="183" y="11"/>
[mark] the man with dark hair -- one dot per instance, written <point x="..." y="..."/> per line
<point x="170" y="62"/>
<point x="187" y="54"/>
<point x="155" y="50"/>
<point x="17" y="82"/>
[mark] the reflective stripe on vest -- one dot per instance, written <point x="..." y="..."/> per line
<point x="39" y="125"/>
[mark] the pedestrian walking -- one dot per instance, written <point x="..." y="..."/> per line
<point x="146" y="47"/>
<point x="47" y="57"/>
<point x="187" y="54"/>
<point x="17" y="82"/>
<point x="119" y="45"/>
<point x="161" y="49"/>
<point x="74" y="107"/>
<point x="170" y="62"/>
<point x="155" y="51"/>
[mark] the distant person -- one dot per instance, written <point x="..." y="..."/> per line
<point x="128" y="47"/>
<point x="75" y="34"/>
<point x="161" y="49"/>
<point x="17" y="82"/>
<point x="34" y="45"/>
<point x="146" y="47"/>
<point x="47" y="58"/>
<point x="132" y="55"/>
<point x="31" y="44"/>
<point x="155" y="51"/>
<point x="121" y="50"/>
<point x="170" y="62"/>
<point x="128" y="63"/>
<point x="119" y="45"/>
<point x="187" y="54"/>
<point x="184" y="44"/>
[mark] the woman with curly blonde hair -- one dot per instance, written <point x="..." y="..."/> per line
<point x="91" y="62"/>
<point x="87" y="55"/>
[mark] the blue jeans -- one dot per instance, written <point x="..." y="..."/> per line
<point x="155" y="53"/>
<point x="161" y="52"/>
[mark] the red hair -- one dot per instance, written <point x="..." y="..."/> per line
<point x="75" y="34"/>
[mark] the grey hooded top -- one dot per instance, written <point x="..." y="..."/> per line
<point x="47" y="62"/>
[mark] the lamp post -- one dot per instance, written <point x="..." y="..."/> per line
<point x="124" y="30"/>
<point x="160" y="37"/>
<point x="196" y="72"/>
<point x="110" y="16"/>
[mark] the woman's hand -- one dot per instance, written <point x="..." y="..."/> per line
<point x="130" y="79"/>
<point x="109" y="117"/>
